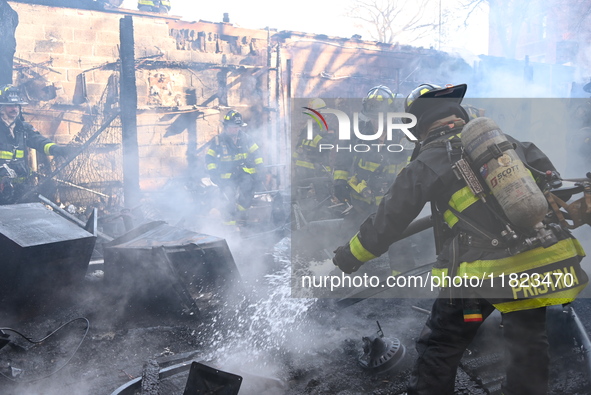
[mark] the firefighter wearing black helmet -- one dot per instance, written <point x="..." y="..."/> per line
<point x="466" y="248"/>
<point x="16" y="137"/>
<point x="234" y="163"/>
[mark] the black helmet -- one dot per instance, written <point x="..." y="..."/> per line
<point x="378" y="99"/>
<point x="233" y="118"/>
<point x="427" y="111"/>
<point x="10" y="95"/>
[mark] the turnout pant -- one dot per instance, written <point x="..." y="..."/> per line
<point x="238" y="193"/>
<point x="445" y="337"/>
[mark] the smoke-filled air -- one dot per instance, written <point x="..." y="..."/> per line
<point x="359" y="197"/>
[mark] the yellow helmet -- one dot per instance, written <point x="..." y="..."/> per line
<point x="316" y="104"/>
<point x="378" y="99"/>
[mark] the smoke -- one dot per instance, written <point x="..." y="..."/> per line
<point x="583" y="234"/>
<point x="269" y="337"/>
<point x="264" y="333"/>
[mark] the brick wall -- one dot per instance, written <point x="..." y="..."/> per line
<point x="189" y="66"/>
<point x="57" y="45"/>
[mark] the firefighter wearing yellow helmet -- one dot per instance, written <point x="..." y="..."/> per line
<point x="478" y="243"/>
<point x="353" y="171"/>
<point x="362" y="178"/>
<point x="234" y="163"/>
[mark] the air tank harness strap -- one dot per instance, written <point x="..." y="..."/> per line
<point x="441" y="143"/>
<point x="474" y="236"/>
<point x="466" y="237"/>
<point x="493" y="151"/>
<point x="470" y="304"/>
<point x="453" y="127"/>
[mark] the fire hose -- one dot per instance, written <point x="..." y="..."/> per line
<point x="41" y="341"/>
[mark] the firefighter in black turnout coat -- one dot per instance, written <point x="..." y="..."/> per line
<point x="234" y="163"/>
<point x="16" y="137"/>
<point x="362" y="178"/>
<point x="312" y="166"/>
<point x="474" y="246"/>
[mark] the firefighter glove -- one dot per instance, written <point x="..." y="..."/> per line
<point x="6" y="171"/>
<point x="66" y="151"/>
<point x="215" y="178"/>
<point x="342" y="190"/>
<point x="345" y="260"/>
<point x="367" y="193"/>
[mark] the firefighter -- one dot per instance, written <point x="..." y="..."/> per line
<point x="160" y="6"/>
<point x="362" y="178"/>
<point x="234" y="164"/>
<point x="311" y="166"/>
<point x="16" y="136"/>
<point x="455" y="317"/>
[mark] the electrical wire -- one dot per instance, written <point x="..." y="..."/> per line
<point x="42" y="340"/>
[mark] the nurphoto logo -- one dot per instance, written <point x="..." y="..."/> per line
<point x="387" y="123"/>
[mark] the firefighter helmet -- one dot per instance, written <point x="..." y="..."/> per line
<point x="316" y="104"/>
<point x="233" y="118"/>
<point x="378" y="99"/>
<point x="10" y="95"/>
<point x="416" y="102"/>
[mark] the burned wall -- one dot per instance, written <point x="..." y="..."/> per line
<point x="67" y="63"/>
<point x="189" y="74"/>
<point x="348" y="68"/>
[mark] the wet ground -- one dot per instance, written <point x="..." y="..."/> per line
<point x="278" y="344"/>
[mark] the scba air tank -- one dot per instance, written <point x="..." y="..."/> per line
<point x="510" y="182"/>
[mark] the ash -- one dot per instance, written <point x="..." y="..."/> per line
<point x="278" y="344"/>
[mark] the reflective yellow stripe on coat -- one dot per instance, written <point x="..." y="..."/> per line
<point x="561" y="258"/>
